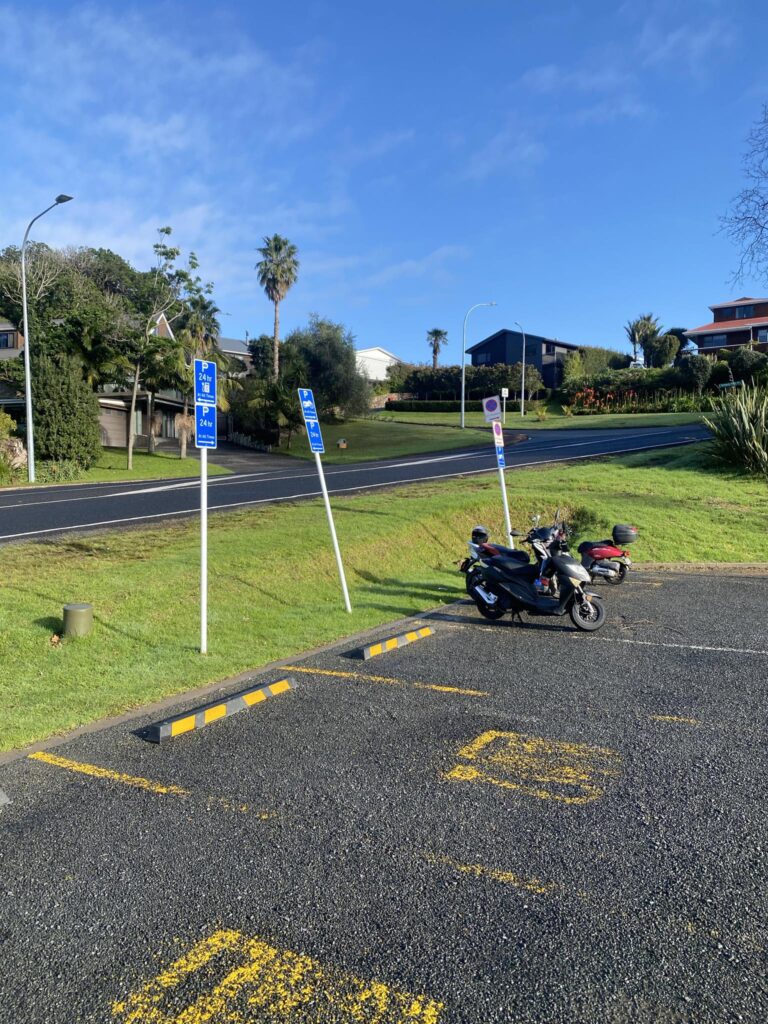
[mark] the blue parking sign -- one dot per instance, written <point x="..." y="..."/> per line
<point x="205" y="382"/>
<point x="205" y="426"/>
<point x="311" y="422"/>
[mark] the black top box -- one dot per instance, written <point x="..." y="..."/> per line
<point x="623" y="534"/>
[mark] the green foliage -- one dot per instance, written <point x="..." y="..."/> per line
<point x="739" y="423"/>
<point x="414" y="405"/>
<point x="262" y="351"/>
<point x="397" y="375"/>
<point x="64" y="471"/>
<point x="277" y="270"/>
<point x="66" y="412"/>
<point x="747" y="365"/>
<point x="7" y="425"/>
<point x="573" y="368"/>
<point x="660" y="351"/>
<point x="595" y="359"/>
<point x="721" y="373"/>
<point x="327" y="353"/>
<point x="695" y="372"/>
<point x="444" y="383"/>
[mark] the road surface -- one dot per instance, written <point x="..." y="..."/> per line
<point x="27" y="514"/>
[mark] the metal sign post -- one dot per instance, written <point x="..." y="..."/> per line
<point x="498" y="440"/>
<point x="205" y="438"/>
<point x="504" y="397"/>
<point x="315" y="437"/>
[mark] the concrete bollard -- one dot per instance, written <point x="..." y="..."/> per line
<point x="78" y="619"/>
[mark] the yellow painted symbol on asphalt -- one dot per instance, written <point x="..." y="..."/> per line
<point x="571" y="773"/>
<point x="247" y="980"/>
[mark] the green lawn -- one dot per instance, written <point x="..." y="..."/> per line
<point x="400" y="548"/>
<point x="110" y="468"/>
<point x="555" y="419"/>
<point x="377" y="439"/>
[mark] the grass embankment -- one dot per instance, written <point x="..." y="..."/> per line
<point x="555" y="419"/>
<point x="271" y="596"/>
<point x="374" y="438"/>
<point x="110" y="468"/>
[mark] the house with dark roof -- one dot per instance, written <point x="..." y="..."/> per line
<point x="236" y="348"/>
<point x="742" y="321"/>
<point x="505" y="346"/>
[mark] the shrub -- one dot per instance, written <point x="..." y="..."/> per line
<point x="7" y="425"/>
<point x="696" y="371"/>
<point x="739" y="423"/>
<point x="413" y="405"/>
<point x="58" y="472"/>
<point x="721" y="373"/>
<point x="66" y="412"/>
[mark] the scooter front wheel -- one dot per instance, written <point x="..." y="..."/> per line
<point x="588" y="615"/>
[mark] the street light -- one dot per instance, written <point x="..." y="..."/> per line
<point x="522" y="379"/>
<point x="27" y="379"/>
<point x="464" y="352"/>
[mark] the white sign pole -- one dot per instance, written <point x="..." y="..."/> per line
<point x="507" y="520"/>
<point x="203" y="550"/>
<point x="339" y="563"/>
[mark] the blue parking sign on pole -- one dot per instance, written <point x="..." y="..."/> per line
<point x="205" y="426"/>
<point x="311" y="422"/>
<point x="205" y="382"/>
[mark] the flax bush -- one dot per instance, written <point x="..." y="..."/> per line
<point x="739" y="423"/>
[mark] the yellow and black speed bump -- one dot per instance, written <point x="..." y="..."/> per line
<point x="396" y="641"/>
<point x="200" y="717"/>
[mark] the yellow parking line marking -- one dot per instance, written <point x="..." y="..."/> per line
<point x="534" y="885"/>
<point x="537" y="767"/>
<point x="164" y="788"/>
<point x="676" y="718"/>
<point x="105" y="773"/>
<point x="387" y="679"/>
<point x="258" y="981"/>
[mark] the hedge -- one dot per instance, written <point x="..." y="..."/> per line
<point x="405" y="405"/>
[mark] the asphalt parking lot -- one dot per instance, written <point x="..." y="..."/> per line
<point x="494" y="823"/>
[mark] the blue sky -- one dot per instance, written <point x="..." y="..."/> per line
<point x="570" y="161"/>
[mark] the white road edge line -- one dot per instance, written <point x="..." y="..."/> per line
<point x="340" y="490"/>
<point x="685" y="647"/>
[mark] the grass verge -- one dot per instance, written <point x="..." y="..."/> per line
<point x="373" y="438"/>
<point x="400" y="549"/>
<point x="110" y="468"/>
<point x="555" y="419"/>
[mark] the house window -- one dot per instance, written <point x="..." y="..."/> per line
<point x="762" y="335"/>
<point x="744" y="312"/>
<point x="7" y="339"/>
<point x="716" y="340"/>
<point x="726" y="314"/>
<point x="139" y="421"/>
<point x="549" y="348"/>
<point x="482" y="357"/>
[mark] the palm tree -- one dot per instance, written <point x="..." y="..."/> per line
<point x="642" y="333"/>
<point x="277" y="270"/>
<point x="437" y="339"/>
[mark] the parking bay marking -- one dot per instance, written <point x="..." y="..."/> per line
<point x="387" y="679"/>
<point x="261" y="981"/>
<point x="534" y="885"/>
<point x="570" y="773"/>
<point x="137" y="782"/>
<point x="685" y="647"/>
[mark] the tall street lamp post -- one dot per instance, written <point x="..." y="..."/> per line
<point x="522" y="377"/>
<point x="27" y="379"/>
<point x="464" y="353"/>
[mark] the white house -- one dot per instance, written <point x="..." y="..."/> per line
<point x="374" y="362"/>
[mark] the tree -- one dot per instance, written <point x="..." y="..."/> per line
<point x="327" y="352"/>
<point x="66" y="412"/>
<point x="747" y="364"/>
<point x="278" y="270"/>
<point x="573" y="368"/>
<point x="696" y="371"/>
<point x="747" y="222"/>
<point x="436" y="339"/>
<point x="660" y="351"/>
<point x="262" y="351"/>
<point x="159" y="295"/>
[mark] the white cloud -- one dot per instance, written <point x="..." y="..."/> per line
<point x="432" y="266"/>
<point x="690" y="45"/>
<point x="508" y="150"/>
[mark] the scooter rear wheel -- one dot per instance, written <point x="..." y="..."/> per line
<point x="488" y="611"/>
<point x="588" y="616"/>
<point x="621" y="574"/>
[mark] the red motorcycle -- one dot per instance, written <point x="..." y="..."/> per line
<point x="606" y="559"/>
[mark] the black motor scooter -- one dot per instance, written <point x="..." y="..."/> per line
<point x="554" y="585"/>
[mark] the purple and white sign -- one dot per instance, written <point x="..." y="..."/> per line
<point x="492" y="409"/>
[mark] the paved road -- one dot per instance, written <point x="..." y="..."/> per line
<point x="494" y="824"/>
<point x="48" y="510"/>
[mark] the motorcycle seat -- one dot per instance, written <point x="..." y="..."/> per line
<point x="496" y="550"/>
<point x="514" y="567"/>
<point x="587" y="545"/>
